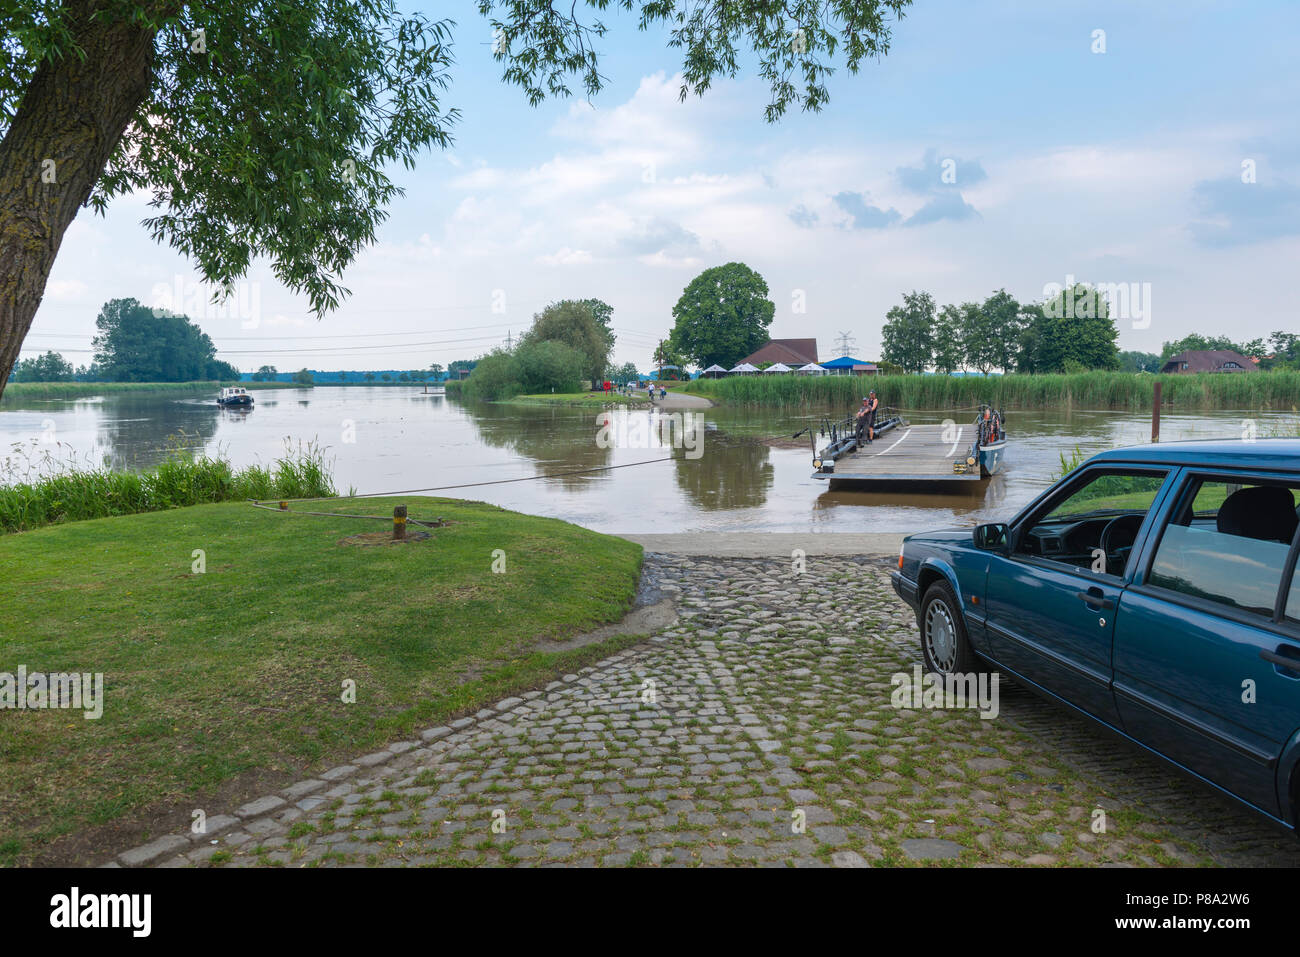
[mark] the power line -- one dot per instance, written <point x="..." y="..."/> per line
<point x="390" y="347"/>
<point x="349" y="335"/>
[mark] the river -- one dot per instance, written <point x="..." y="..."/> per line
<point x="382" y="439"/>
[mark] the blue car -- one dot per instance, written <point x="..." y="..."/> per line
<point x="1153" y="589"/>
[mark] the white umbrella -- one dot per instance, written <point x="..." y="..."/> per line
<point x="714" y="368"/>
<point x="744" y="367"/>
<point x="812" y="368"/>
<point x="778" y="367"/>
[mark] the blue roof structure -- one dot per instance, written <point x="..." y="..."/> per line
<point x="845" y="362"/>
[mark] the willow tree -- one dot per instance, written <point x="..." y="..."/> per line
<point x="264" y="128"/>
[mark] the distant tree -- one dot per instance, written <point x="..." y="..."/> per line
<point x="1001" y="317"/>
<point x="949" y="349"/>
<point x="496" y="376"/>
<point x="625" y="373"/>
<point x="303" y="377"/>
<point x="386" y="377"/>
<point x="573" y="323"/>
<point x="461" y="365"/>
<point x="223" y="371"/>
<point x="722" y="316"/>
<point x="1073" y="327"/>
<point x="369" y="377"/>
<point x="139" y="344"/>
<point x="1286" y="350"/>
<point x="435" y="370"/>
<point x="548" y="365"/>
<point x="603" y="313"/>
<point x="403" y="377"/>
<point x="1195" y="342"/>
<point x="1139" y="362"/>
<point x="666" y="354"/>
<point x="907" y="336"/>
<point x="265" y="374"/>
<point x="50" y="367"/>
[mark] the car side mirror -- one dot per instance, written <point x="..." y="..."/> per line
<point x="992" y="537"/>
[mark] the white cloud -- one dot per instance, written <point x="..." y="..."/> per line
<point x="65" y="289"/>
<point x="564" y="256"/>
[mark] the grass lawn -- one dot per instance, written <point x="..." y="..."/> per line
<point x="576" y="398"/>
<point x="235" y="676"/>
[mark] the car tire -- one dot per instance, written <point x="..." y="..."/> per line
<point x="945" y="645"/>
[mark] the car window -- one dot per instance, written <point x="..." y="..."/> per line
<point x="1110" y="494"/>
<point x="1095" y="525"/>
<point x="1228" y="543"/>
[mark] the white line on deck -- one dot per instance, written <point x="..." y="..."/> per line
<point x="952" y="451"/>
<point x="888" y="450"/>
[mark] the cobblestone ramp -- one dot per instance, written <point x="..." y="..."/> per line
<point x="757" y="730"/>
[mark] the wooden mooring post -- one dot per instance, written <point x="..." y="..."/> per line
<point x="399" y="522"/>
<point x="1155" y="415"/>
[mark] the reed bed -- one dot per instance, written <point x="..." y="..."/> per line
<point x="40" y="490"/>
<point x="1088" y="390"/>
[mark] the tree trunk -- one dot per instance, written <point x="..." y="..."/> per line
<point x="68" y="123"/>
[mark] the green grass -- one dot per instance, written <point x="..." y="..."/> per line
<point x="1090" y="390"/>
<point x="23" y="391"/>
<point x="43" y="495"/>
<point x="240" y="670"/>
<point x="575" y="398"/>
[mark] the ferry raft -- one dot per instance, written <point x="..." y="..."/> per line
<point x="912" y="455"/>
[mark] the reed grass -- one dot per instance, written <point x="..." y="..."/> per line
<point x="40" y="490"/>
<point x="16" y="391"/>
<point x="1086" y="390"/>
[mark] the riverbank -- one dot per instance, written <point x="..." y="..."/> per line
<point x="22" y="391"/>
<point x="1258" y="391"/>
<point x="596" y="399"/>
<point x="281" y="651"/>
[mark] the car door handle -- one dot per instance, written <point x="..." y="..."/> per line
<point x="1095" y="600"/>
<point x="1292" y="664"/>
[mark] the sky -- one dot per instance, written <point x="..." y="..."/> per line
<point x="998" y="145"/>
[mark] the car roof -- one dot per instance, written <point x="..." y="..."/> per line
<point x="1275" y="454"/>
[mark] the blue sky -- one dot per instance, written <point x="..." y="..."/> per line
<point x="1119" y="167"/>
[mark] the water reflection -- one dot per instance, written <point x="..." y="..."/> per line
<point x="134" y="431"/>
<point x="969" y="502"/>
<point x="732" y="473"/>
<point x="556" y="440"/>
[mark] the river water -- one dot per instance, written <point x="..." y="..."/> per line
<point x="730" y="478"/>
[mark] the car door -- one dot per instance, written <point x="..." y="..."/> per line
<point x="1207" y="641"/>
<point x="1050" y="599"/>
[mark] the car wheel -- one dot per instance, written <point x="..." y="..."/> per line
<point x="944" y="644"/>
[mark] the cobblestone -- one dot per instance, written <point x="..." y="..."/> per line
<point x="750" y="733"/>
